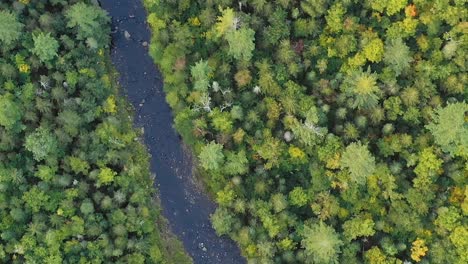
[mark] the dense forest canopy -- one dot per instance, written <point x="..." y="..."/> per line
<point x="75" y="185"/>
<point x="329" y="131"/>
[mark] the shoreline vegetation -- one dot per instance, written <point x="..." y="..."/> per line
<point x="327" y="131"/>
<point x="74" y="178"/>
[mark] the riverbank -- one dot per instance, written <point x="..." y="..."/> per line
<point x="185" y="207"/>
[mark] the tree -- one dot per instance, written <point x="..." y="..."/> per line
<point x="222" y="221"/>
<point x="241" y="43"/>
<point x="397" y="55"/>
<point x="357" y="227"/>
<point x="314" y="8"/>
<point x="226" y="22"/>
<point x="35" y="198"/>
<point x="211" y="156"/>
<point x="458" y="239"/>
<point x="298" y="197"/>
<point x="236" y="163"/>
<point x="376" y="256"/>
<point x="362" y="88"/>
<point x="428" y="168"/>
<point x="87" y="207"/>
<point x="10" y="112"/>
<point x="374" y="50"/>
<point x="10" y="28"/>
<point x="450" y="129"/>
<point x="279" y="202"/>
<point x="418" y="249"/>
<point x="335" y="17"/>
<point x="447" y="218"/>
<point x="45" y="46"/>
<point x="359" y="162"/>
<point x="106" y="176"/>
<point x="42" y="143"/>
<point x="200" y="72"/>
<point x="321" y="242"/>
<point x="88" y="21"/>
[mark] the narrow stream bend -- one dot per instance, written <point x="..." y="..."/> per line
<point x="186" y="208"/>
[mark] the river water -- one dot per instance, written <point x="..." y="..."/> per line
<point x="184" y="205"/>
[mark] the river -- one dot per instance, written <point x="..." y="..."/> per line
<point x="183" y="204"/>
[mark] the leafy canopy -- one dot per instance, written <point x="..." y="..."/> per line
<point x="397" y="55"/>
<point x="241" y="43"/>
<point x="9" y="111"/>
<point x="321" y="242"/>
<point x="362" y="88"/>
<point x="225" y="22"/>
<point x="10" y="28"/>
<point x="200" y="74"/>
<point x="42" y="143"/>
<point x="45" y="46"/>
<point x="359" y="161"/>
<point x="211" y="156"/>
<point x="357" y="227"/>
<point x="450" y="129"/>
<point x="88" y="20"/>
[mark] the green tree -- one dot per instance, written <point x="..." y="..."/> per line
<point x="87" y="207"/>
<point x="362" y="88"/>
<point x="450" y="129"/>
<point x="428" y="168"/>
<point x="373" y="50"/>
<point x="222" y="221"/>
<point x="35" y="199"/>
<point x="322" y="243"/>
<point x="458" y="239"/>
<point x="226" y="22"/>
<point x="241" y="43"/>
<point x="10" y="27"/>
<point x="359" y="162"/>
<point x="211" y="156"/>
<point x="42" y="143"/>
<point x="88" y="21"/>
<point x="236" y="163"/>
<point x="45" y="46"/>
<point x="10" y="112"/>
<point x="298" y="197"/>
<point x="447" y="218"/>
<point x="335" y="17"/>
<point x="106" y="176"/>
<point x="200" y="72"/>
<point x="397" y="55"/>
<point x="357" y="227"/>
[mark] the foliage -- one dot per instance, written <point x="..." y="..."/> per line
<point x="397" y="55"/>
<point x="10" y="112"/>
<point x="42" y="143"/>
<point x="450" y="129"/>
<point x="10" y="27"/>
<point x="362" y="88"/>
<point x="226" y="22"/>
<point x="358" y="226"/>
<point x="321" y="243"/>
<point x="87" y="20"/>
<point x="418" y="250"/>
<point x="75" y="184"/>
<point x="211" y="156"/>
<point x="200" y="72"/>
<point x="241" y="43"/>
<point x="359" y="161"/>
<point x="352" y="113"/>
<point x="45" y="47"/>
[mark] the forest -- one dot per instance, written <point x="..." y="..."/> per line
<point x="327" y="131"/>
<point x="75" y="185"/>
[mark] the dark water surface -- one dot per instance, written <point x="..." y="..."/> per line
<point x="184" y="205"/>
